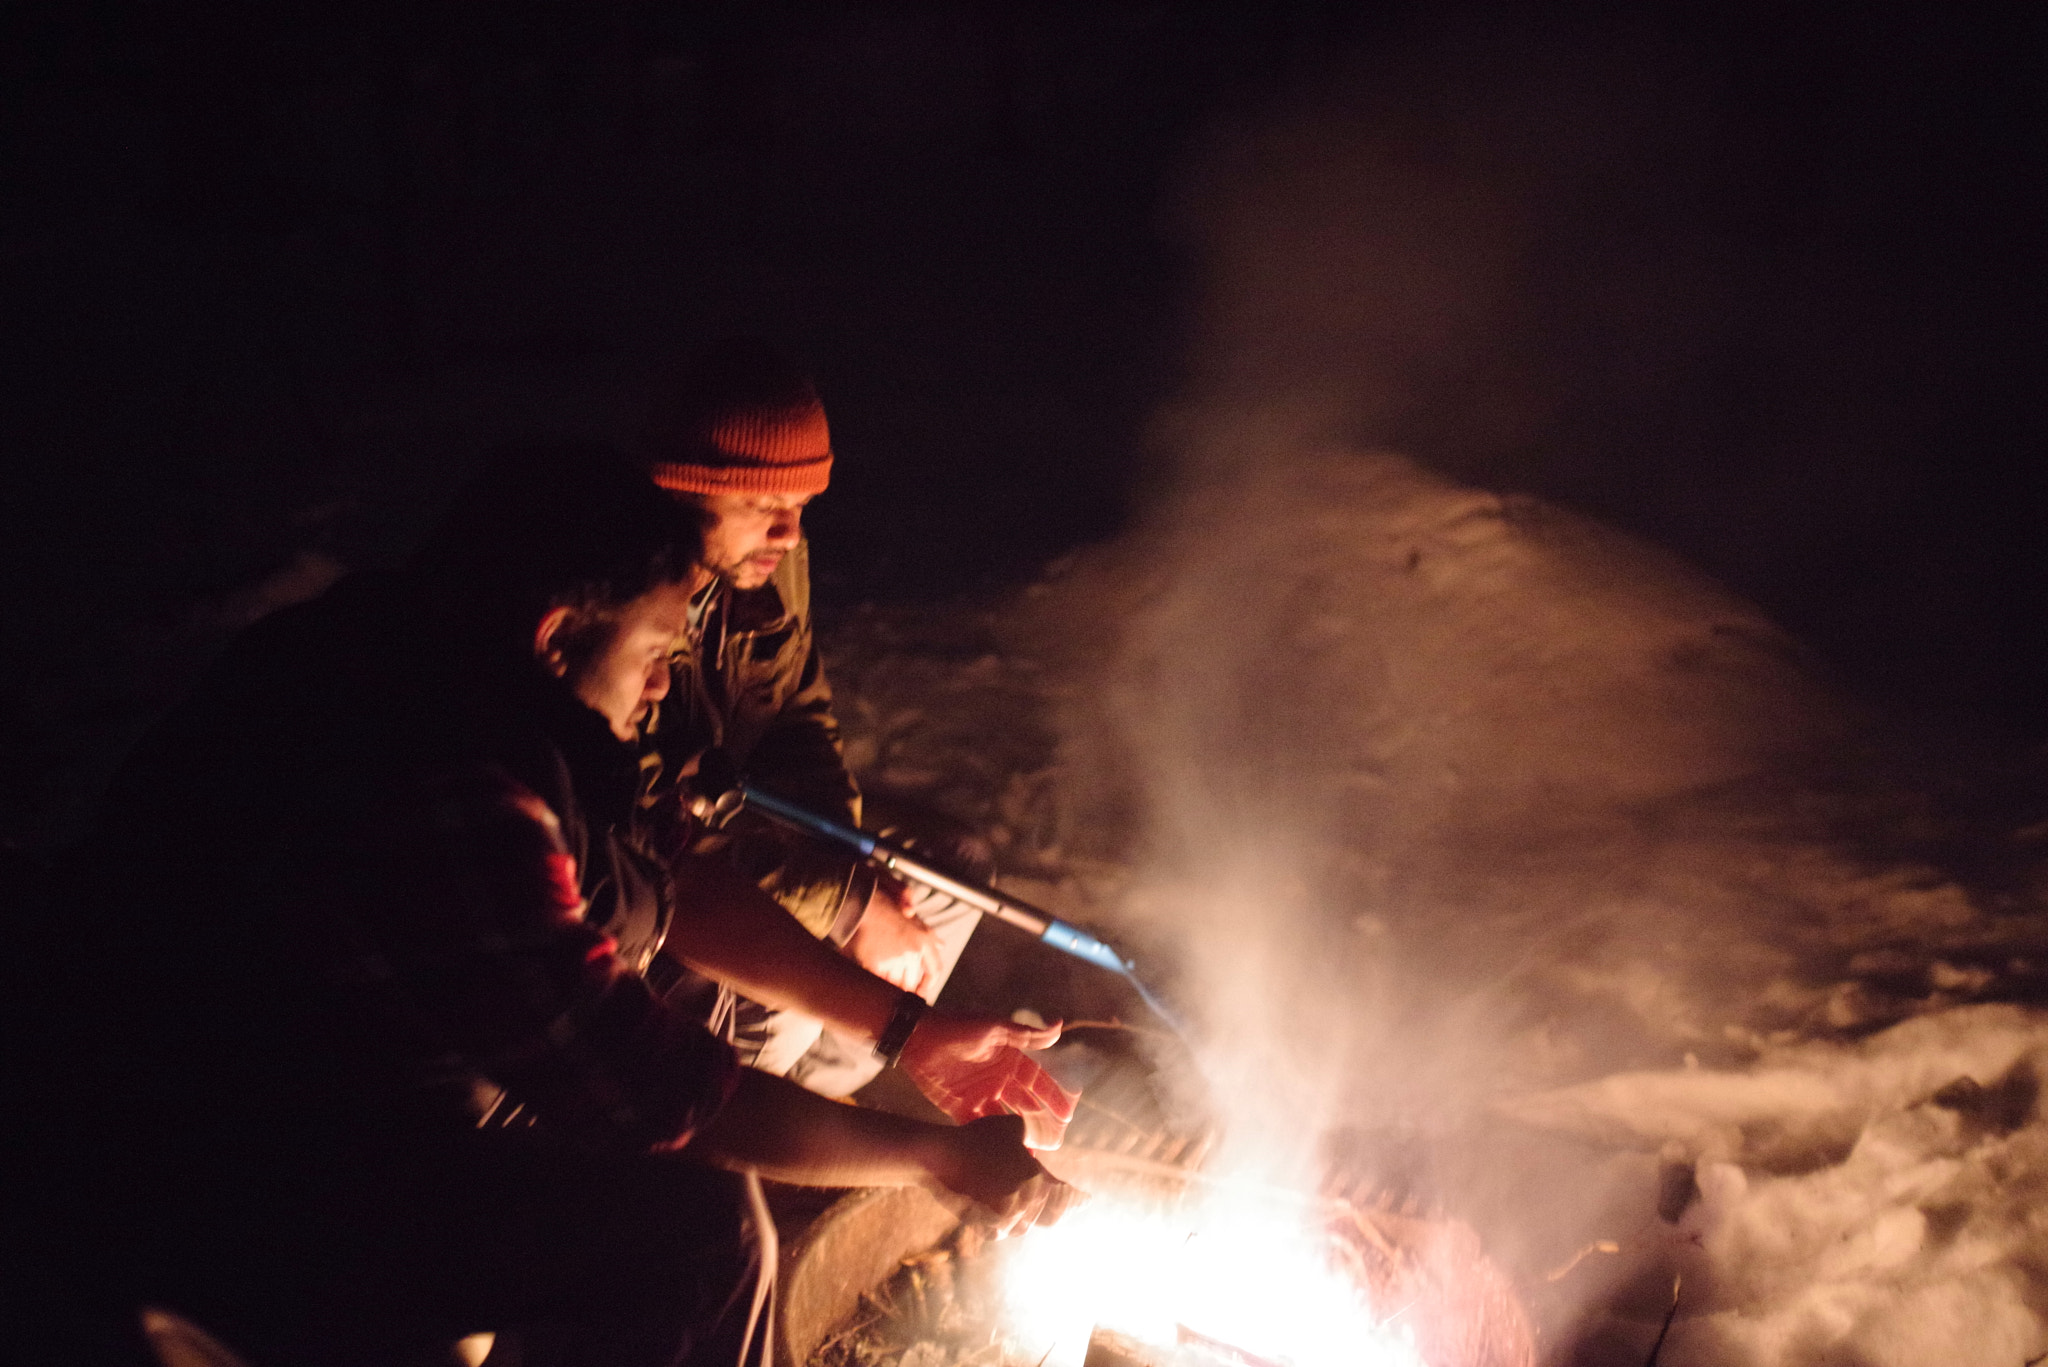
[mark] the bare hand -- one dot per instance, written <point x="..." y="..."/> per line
<point x="986" y="1162"/>
<point x="973" y="1066"/>
<point x="894" y="945"/>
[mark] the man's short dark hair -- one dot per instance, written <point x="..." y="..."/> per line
<point x="575" y="526"/>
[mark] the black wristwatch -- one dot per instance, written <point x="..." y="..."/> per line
<point x="910" y="1009"/>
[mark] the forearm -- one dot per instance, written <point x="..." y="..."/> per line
<point x="733" y="932"/>
<point x="791" y="1135"/>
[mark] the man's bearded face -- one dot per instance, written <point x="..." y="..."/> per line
<point x="746" y="535"/>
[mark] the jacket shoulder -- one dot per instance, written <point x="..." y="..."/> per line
<point x="792" y="581"/>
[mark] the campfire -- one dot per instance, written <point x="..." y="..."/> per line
<point x="1161" y="1269"/>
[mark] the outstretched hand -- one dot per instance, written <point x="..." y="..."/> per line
<point x="974" y="1066"/>
<point x="986" y="1162"/>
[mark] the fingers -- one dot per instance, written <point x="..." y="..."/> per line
<point x="1045" y="1127"/>
<point x="929" y="958"/>
<point x="1041" y="1201"/>
<point x="977" y="1039"/>
<point x="978" y="1103"/>
<point x="1029" y="1037"/>
<point x="1031" y="1088"/>
<point x="1047" y="1107"/>
<point x="1059" y="1199"/>
<point x="965" y="1091"/>
<point x="892" y="970"/>
<point x="1002" y="1224"/>
<point x="905" y="970"/>
<point x="969" y="1070"/>
<point x="1055" y="1200"/>
<point x="1016" y="1220"/>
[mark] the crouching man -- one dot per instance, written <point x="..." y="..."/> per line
<point x="740" y="436"/>
<point x="384" y="1069"/>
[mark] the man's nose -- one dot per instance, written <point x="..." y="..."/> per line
<point x="784" y="530"/>
<point x="657" y="683"/>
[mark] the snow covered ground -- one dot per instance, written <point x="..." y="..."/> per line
<point x="1468" y="828"/>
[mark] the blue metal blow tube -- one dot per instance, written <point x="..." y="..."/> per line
<point x="1061" y="935"/>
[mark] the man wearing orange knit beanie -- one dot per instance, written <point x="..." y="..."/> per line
<point x="741" y="435"/>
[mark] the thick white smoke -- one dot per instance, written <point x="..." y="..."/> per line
<point x="1446" y="796"/>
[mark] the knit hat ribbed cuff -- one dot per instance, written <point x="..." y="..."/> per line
<point x="749" y="477"/>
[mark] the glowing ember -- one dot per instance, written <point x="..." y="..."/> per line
<point x="1241" y="1272"/>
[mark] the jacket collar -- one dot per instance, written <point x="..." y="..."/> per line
<point x="755" y="609"/>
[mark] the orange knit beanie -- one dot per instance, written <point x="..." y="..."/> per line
<point x="739" y="419"/>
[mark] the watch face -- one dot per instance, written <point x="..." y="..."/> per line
<point x="910" y="1009"/>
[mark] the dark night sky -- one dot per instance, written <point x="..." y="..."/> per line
<point x="277" y="274"/>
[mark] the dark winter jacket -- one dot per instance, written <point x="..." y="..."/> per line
<point x="368" y="879"/>
<point x="751" y="686"/>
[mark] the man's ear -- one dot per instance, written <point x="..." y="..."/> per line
<point x="545" y="648"/>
